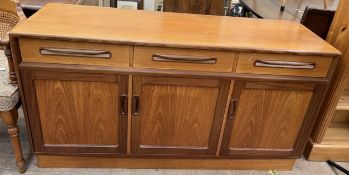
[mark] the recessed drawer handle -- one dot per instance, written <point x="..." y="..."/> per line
<point x="284" y="64"/>
<point x="184" y="59"/>
<point x="75" y="52"/>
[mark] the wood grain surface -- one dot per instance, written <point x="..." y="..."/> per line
<point x="45" y="161"/>
<point x="328" y="141"/>
<point x="73" y="105"/>
<point x="322" y="152"/>
<point x="247" y="60"/>
<point x="30" y="50"/>
<point x="209" y="7"/>
<point x="216" y="7"/>
<point x="267" y="118"/>
<point x="337" y="134"/>
<point x="335" y="142"/>
<point x="198" y="6"/>
<point x="178" y="115"/>
<point x="74" y="112"/>
<point x="173" y="73"/>
<point x="143" y="58"/>
<point x="342" y="116"/>
<point x="226" y="110"/>
<point x="172" y="30"/>
<point x="338" y="36"/>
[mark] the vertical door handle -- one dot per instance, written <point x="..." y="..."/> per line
<point x="232" y="108"/>
<point x="135" y="105"/>
<point x="123" y="104"/>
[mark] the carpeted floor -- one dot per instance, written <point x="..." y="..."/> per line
<point x="7" y="161"/>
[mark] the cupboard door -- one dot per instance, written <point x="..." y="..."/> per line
<point x="76" y="112"/>
<point x="268" y="119"/>
<point x="179" y="116"/>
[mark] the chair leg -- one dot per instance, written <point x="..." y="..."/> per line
<point x="11" y="71"/>
<point x="10" y="119"/>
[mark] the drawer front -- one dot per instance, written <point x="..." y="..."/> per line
<point x="183" y="59"/>
<point x="71" y="52"/>
<point x="279" y="64"/>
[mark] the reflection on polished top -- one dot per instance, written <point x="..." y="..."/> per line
<point x="172" y="29"/>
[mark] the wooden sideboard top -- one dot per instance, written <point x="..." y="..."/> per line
<point x="76" y="22"/>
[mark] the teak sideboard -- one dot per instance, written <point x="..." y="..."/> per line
<point x="105" y="87"/>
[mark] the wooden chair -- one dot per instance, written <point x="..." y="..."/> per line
<point x="318" y="20"/>
<point x="10" y="15"/>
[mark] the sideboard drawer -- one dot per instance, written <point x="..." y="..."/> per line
<point x="73" y="52"/>
<point x="283" y="64"/>
<point x="183" y="59"/>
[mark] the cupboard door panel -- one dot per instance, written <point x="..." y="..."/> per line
<point x="267" y="120"/>
<point x="76" y="112"/>
<point x="178" y="115"/>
